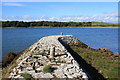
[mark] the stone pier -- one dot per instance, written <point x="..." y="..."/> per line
<point x="37" y="56"/>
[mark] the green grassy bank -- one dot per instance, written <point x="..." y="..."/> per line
<point x="107" y="65"/>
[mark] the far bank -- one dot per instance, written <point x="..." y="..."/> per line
<point x="63" y="27"/>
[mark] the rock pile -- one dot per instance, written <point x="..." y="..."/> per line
<point x="70" y="40"/>
<point x="49" y="51"/>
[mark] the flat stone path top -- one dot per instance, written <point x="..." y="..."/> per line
<point x="69" y="68"/>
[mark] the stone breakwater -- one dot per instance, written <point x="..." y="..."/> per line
<point x="49" y="51"/>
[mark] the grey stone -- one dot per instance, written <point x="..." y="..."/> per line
<point x="69" y="69"/>
<point x="52" y="52"/>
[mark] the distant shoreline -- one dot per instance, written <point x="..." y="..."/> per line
<point x="59" y="27"/>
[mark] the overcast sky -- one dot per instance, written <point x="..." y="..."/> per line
<point x="61" y="11"/>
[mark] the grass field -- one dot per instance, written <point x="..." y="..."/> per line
<point x="106" y="65"/>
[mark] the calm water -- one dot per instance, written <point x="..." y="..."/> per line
<point x="16" y="40"/>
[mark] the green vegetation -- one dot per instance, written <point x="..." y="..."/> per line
<point x="54" y="24"/>
<point x="15" y="24"/>
<point x="103" y="24"/>
<point x="7" y="69"/>
<point x="41" y="53"/>
<point x="47" y="51"/>
<point x="47" y="69"/>
<point x="36" y="57"/>
<point x="26" y="75"/>
<point x="106" y="64"/>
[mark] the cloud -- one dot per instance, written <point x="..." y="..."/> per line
<point x="112" y="14"/>
<point x="111" y="17"/>
<point x="26" y="17"/>
<point x="13" y="4"/>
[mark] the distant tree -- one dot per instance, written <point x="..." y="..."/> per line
<point x="53" y="24"/>
<point x="13" y="23"/>
<point x="6" y="24"/>
<point x="22" y="24"/>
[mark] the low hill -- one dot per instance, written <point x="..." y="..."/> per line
<point x="102" y="23"/>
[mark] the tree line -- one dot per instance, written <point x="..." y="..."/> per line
<point x="47" y="23"/>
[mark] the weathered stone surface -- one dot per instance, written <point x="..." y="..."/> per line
<point x="62" y="62"/>
<point x="29" y="68"/>
<point x="59" y="74"/>
<point x="52" y="52"/>
<point x="42" y="75"/>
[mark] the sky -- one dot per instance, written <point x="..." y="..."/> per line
<point x="61" y="11"/>
<point x="60" y="0"/>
